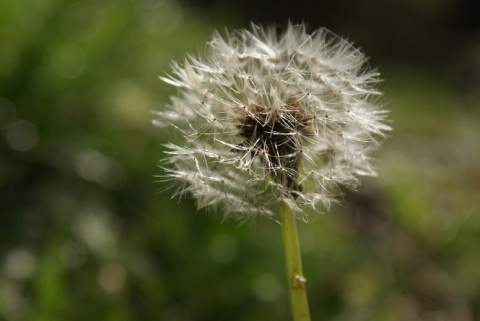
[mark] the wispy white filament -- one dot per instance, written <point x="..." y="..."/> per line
<point x="267" y="118"/>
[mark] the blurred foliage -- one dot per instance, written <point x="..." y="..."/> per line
<point x="86" y="235"/>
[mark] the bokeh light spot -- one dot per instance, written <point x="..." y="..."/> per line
<point x="22" y="135"/>
<point x="96" y="167"/>
<point x="19" y="264"/>
<point x="112" y="278"/>
<point x="266" y="287"/>
<point x="96" y="231"/>
<point x="132" y="104"/>
<point x="68" y="60"/>
<point x="7" y="112"/>
<point x="13" y="301"/>
<point x="162" y="17"/>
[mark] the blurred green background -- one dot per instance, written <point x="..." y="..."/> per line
<point x="85" y="233"/>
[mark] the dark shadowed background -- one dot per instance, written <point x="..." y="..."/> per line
<point x="86" y="235"/>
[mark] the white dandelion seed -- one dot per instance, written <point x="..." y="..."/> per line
<point x="266" y="119"/>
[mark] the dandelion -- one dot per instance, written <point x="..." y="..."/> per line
<point x="268" y="119"/>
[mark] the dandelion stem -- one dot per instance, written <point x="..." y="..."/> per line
<point x="296" y="280"/>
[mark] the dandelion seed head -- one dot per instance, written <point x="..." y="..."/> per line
<point x="267" y="118"/>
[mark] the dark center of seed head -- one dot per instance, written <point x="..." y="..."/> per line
<point x="275" y="137"/>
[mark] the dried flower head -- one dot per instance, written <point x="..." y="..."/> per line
<point x="267" y="118"/>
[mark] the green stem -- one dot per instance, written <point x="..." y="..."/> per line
<point x="296" y="280"/>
